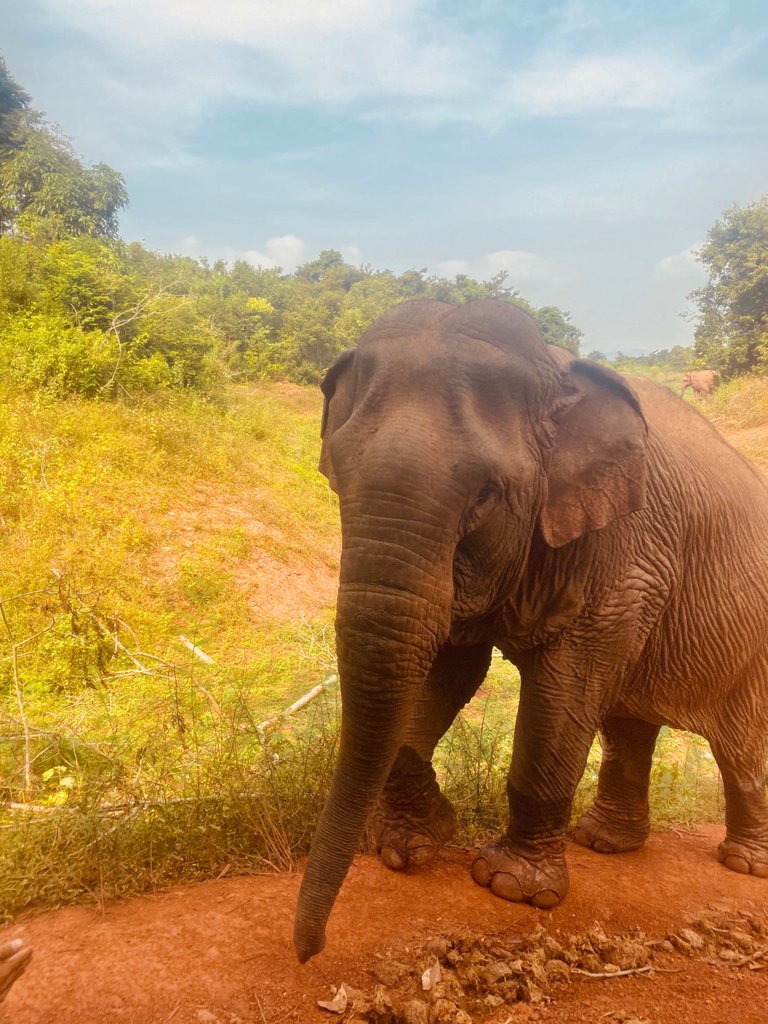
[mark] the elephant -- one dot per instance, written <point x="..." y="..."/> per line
<point x="496" y="491"/>
<point x="701" y="381"/>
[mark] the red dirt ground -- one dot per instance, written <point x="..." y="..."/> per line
<point x="220" y="952"/>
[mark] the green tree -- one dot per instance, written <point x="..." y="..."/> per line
<point x="365" y="301"/>
<point x="732" y="329"/>
<point x="557" y="328"/>
<point x="13" y="101"/>
<point x="46" y="193"/>
<point x="330" y="270"/>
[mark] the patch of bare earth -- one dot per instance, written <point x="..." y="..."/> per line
<point x="282" y="576"/>
<point x="688" y="931"/>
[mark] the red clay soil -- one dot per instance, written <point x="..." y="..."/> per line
<point x="221" y="951"/>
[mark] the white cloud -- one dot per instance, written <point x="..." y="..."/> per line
<point x="237" y="21"/>
<point x="352" y="254"/>
<point x="521" y="266"/>
<point x="285" y="251"/>
<point x="395" y="58"/>
<point x="564" y="86"/>
<point x="681" y="266"/>
<point x="451" y="268"/>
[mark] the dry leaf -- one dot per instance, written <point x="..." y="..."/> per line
<point x="431" y="976"/>
<point x="336" y="1005"/>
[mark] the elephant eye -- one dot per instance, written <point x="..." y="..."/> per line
<point x="487" y="492"/>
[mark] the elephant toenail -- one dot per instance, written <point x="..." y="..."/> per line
<point x="603" y="846"/>
<point x="420" y="854"/>
<point x="736" y="863"/>
<point x="481" y="872"/>
<point x="581" y="837"/>
<point x="546" y="899"/>
<point x="507" y="887"/>
<point x="392" y="858"/>
<point x="760" y="870"/>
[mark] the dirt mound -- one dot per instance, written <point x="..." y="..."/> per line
<point x="672" y="936"/>
<point x="459" y="979"/>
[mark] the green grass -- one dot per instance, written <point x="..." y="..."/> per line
<point x="154" y="515"/>
<point x="741" y="404"/>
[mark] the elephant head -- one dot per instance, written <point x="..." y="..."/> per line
<point x="455" y="439"/>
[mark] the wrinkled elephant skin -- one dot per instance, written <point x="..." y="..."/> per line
<point x="495" y="491"/>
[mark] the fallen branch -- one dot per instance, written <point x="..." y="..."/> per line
<point x="646" y="971"/>
<point x="35" y="808"/>
<point x="196" y="650"/>
<point x="131" y="808"/>
<point x="613" y="974"/>
<point x="302" y="702"/>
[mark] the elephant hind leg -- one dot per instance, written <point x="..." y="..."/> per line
<point x="413" y="820"/>
<point x="618" y="821"/>
<point x="742" y="757"/>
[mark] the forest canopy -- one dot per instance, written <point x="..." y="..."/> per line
<point x="81" y="311"/>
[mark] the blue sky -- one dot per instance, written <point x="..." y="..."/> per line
<point x="585" y="146"/>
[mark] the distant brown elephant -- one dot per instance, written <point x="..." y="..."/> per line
<point x="495" y="491"/>
<point x="702" y="382"/>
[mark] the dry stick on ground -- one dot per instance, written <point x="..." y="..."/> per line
<point x="196" y="650"/>
<point x="646" y="971"/>
<point x="302" y="702"/>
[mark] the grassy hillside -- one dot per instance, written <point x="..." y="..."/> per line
<point x="125" y="528"/>
<point x="128" y="531"/>
<point x="167" y="519"/>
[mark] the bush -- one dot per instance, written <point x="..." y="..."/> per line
<point x="40" y="352"/>
<point x="741" y="403"/>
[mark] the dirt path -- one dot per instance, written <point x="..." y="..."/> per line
<point x="220" y="952"/>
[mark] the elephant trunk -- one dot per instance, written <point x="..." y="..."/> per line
<point x="393" y="614"/>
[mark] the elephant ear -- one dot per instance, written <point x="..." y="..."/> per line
<point x="597" y="467"/>
<point x="338" y="398"/>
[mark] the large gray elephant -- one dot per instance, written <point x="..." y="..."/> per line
<point x="496" y="491"/>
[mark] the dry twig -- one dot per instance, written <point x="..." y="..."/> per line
<point x="302" y="702"/>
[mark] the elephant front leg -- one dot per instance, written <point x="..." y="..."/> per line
<point x="413" y="820"/>
<point x="618" y="821"/>
<point x="556" y="724"/>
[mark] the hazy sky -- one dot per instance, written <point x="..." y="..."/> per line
<point x="585" y="146"/>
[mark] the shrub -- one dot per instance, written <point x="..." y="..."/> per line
<point x="41" y="352"/>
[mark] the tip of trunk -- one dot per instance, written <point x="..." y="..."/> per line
<point x="308" y="942"/>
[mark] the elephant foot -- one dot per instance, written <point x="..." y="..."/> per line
<point x="538" y="878"/>
<point x="745" y="859"/>
<point x="413" y="820"/>
<point x="611" y="833"/>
